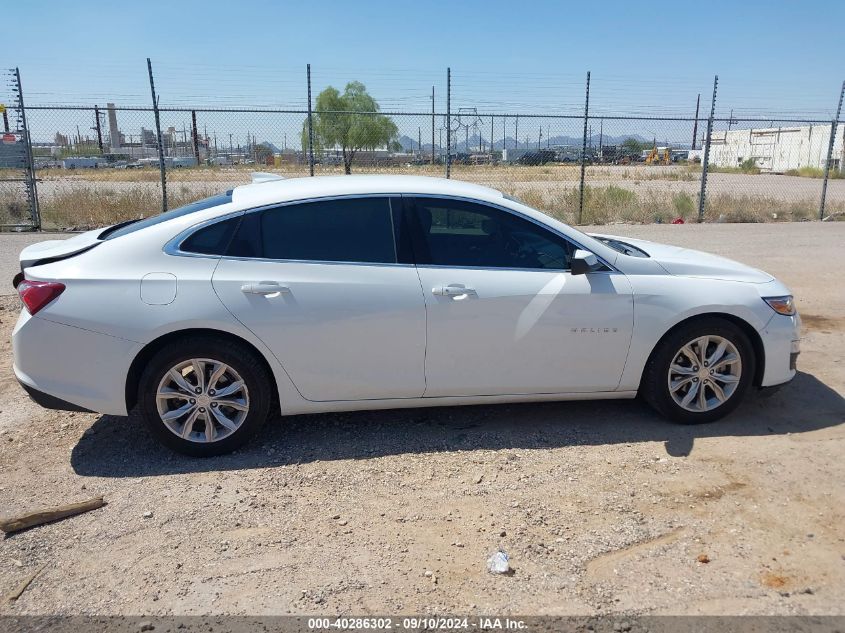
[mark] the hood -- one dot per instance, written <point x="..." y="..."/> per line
<point x="53" y="250"/>
<point x="686" y="262"/>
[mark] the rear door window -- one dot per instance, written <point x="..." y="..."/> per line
<point x="355" y="230"/>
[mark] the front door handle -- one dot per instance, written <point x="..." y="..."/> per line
<point x="265" y="288"/>
<point x="452" y="291"/>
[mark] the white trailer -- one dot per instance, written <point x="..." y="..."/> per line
<point x="777" y="149"/>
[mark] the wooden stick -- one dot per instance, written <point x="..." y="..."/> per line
<point x="16" y="593"/>
<point x="31" y="519"/>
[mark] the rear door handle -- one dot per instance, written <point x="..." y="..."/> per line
<point x="265" y="288"/>
<point x="452" y="291"/>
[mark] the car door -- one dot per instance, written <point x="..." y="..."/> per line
<point x="504" y="314"/>
<point x="327" y="288"/>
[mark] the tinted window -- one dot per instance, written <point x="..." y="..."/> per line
<point x="130" y="227"/>
<point x="344" y="230"/>
<point x="456" y="233"/>
<point x="211" y="240"/>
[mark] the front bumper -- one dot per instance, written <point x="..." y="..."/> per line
<point x="782" y="345"/>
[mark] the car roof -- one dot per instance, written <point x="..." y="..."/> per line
<point x="273" y="191"/>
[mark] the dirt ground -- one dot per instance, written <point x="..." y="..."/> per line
<point x="602" y="507"/>
<point x="656" y="180"/>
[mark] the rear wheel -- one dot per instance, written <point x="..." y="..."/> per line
<point x="700" y="372"/>
<point x="204" y="396"/>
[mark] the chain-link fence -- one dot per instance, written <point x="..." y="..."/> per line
<point x="100" y="164"/>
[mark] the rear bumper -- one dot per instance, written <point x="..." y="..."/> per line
<point x="51" y="402"/>
<point x="71" y="368"/>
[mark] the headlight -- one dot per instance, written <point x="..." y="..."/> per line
<point x="782" y="305"/>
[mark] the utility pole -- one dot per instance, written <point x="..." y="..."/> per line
<point x="196" y="136"/>
<point x="695" y="124"/>
<point x="98" y="129"/>
<point x="830" y="150"/>
<point x="161" y="167"/>
<point x="601" y="138"/>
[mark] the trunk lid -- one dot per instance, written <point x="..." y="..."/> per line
<point x="54" y="250"/>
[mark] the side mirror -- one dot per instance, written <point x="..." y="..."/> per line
<point x="584" y="262"/>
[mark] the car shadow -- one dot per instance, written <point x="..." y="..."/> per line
<point x="121" y="447"/>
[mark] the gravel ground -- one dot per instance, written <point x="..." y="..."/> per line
<point x="602" y="507"/>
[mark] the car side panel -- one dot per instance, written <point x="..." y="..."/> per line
<point x="342" y="331"/>
<point x="103" y="296"/>
<point x="663" y="301"/>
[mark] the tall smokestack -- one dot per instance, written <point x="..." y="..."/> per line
<point x="114" y="132"/>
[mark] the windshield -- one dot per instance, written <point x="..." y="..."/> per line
<point x="582" y="238"/>
<point x="124" y="228"/>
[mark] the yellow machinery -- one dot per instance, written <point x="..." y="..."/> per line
<point x="655" y="158"/>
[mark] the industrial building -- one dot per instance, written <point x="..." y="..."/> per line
<point x="778" y="149"/>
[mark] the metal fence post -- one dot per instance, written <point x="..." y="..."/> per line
<point x="833" y="125"/>
<point x="161" y="167"/>
<point x="432" y="125"/>
<point x="448" y="122"/>
<point x="584" y="152"/>
<point x="706" y="160"/>
<point x="32" y="187"/>
<point x="695" y="121"/>
<point x="310" y="125"/>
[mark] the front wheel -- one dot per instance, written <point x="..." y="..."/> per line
<point x="204" y="396"/>
<point x="700" y="372"/>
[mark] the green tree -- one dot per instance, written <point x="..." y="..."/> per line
<point x="350" y="121"/>
<point x="632" y="147"/>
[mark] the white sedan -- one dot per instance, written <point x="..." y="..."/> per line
<point x="373" y="292"/>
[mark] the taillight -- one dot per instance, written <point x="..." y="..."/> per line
<point x="37" y="294"/>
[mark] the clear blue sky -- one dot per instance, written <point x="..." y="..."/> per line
<point x="646" y="58"/>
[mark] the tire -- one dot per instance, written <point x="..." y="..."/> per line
<point x="724" y="382"/>
<point x="235" y="390"/>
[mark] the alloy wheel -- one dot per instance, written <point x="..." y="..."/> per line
<point x="704" y="373"/>
<point x="202" y="400"/>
